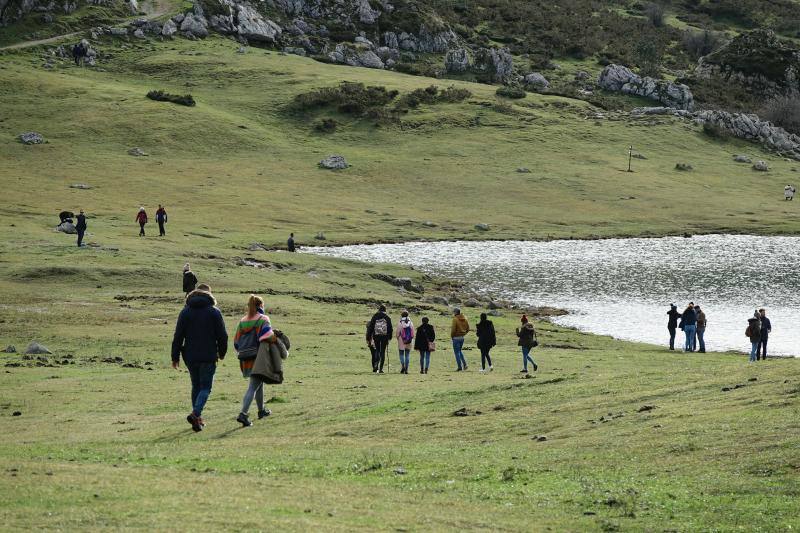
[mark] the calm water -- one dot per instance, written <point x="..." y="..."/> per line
<point x="623" y="287"/>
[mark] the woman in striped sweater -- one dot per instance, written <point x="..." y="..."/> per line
<point x="253" y="329"/>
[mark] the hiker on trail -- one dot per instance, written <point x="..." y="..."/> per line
<point x="79" y="52"/>
<point x="405" y="339"/>
<point x="766" y="329"/>
<point x="370" y="343"/>
<point x="788" y="192"/>
<point x="253" y="329"/>
<point x="380" y="331"/>
<point x="753" y="332"/>
<point x="672" y="324"/>
<point x="141" y="218"/>
<point x="290" y="243"/>
<point x="527" y="341"/>
<point x="189" y="279"/>
<point x="425" y="343"/>
<point x="201" y="338"/>
<point x="161" y="218"/>
<point x="701" y="328"/>
<point x="459" y="327"/>
<point x="81" y="227"/>
<point x="689" y="327"/>
<point x="486" y="340"/>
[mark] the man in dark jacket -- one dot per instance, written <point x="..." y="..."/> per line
<point x="380" y="331"/>
<point x="290" y="243"/>
<point x="80" y="227"/>
<point x="189" y="279"/>
<point x="766" y="329"/>
<point x="689" y="323"/>
<point x="161" y="218"/>
<point x="672" y="324"/>
<point x="201" y="337"/>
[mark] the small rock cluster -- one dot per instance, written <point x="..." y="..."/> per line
<point x="618" y="78"/>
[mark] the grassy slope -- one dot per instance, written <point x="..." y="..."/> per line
<point x="102" y="446"/>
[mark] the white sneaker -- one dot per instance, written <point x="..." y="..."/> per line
<point x="481" y="370"/>
<point x="491" y="368"/>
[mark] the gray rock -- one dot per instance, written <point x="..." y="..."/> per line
<point x="294" y="51"/>
<point x="223" y="24"/>
<point x="761" y="166"/>
<point x="195" y="25"/>
<point x="429" y="224"/>
<point x="536" y="80"/>
<point x="334" y="162"/>
<point x="118" y="32"/>
<point x="177" y="19"/>
<point x="36" y="348"/>
<point x="618" y="78"/>
<point x="524" y="170"/>
<point x="497" y="63"/>
<point x="441" y="300"/>
<point x="390" y="40"/>
<point x="684" y="167"/>
<point x="400" y="471"/>
<point x="355" y="56"/>
<point x="387" y="54"/>
<point x="472" y="302"/>
<point x="742" y="159"/>
<point x="137" y="152"/>
<point x="31" y="137"/>
<point x="67" y="227"/>
<point x="138" y="33"/>
<point x="495" y="312"/>
<point x="482" y="227"/>
<point x="457" y="60"/>
<point x="751" y="128"/>
<point x="254" y="27"/>
<point x="79" y="186"/>
<point x="366" y="14"/>
<point x="581" y="75"/>
<point x="10" y="349"/>
<point x="169" y="29"/>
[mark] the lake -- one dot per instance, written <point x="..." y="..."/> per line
<point x="623" y="287"/>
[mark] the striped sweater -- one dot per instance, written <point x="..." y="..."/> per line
<point x="246" y="325"/>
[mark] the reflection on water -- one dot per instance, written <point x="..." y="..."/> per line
<point x="623" y="287"/>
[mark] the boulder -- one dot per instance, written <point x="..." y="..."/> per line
<point x="169" y="29"/>
<point x="67" y="227"/>
<point x="390" y="40"/>
<point x="252" y="26"/>
<point x="334" y="162"/>
<point x="472" y="302"/>
<point x="36" y="348"/>
<point x="355" y="56"/>
<point x="387" y="54"/>
<point x="137" y="152"/>
<point x="194" y="25"/>
<point x="482" y="227"/>
<point x="524" y="170"/>
<point x="751" y="128"/>
<point x="138" y="33"/>
<point x="497" y="63"/>
<point x="118" y="32"/>
<point x="177" y="19"/>
<point x="536" y="81"/>
<point x="31" y="137"/>
<point x="683" y="167"/>
<point x="618" y="78"/>
<point x="581" y="75"/>
<point x="79" y="186"/>
<point x="457" y="60"/>
<point x="367" y="15"/>
<point x="742" y="159"/>
<point x="761" y="166"/>
<point x="223" y="24"/>
<point x="10" y="349"/>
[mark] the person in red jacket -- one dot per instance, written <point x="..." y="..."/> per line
<point x="141" y="218"/>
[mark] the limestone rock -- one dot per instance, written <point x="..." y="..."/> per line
<point x="137" y="152"/>
<point x="195" y="25"/>
<point x="252" y="26"/>
<point x="79" y="186"/>
<point x="685" y="167"/>
<point x="742" y="159"/>
<point x="536" y="80"/>
<point x="524" y="170"/>
<point x="169" y="29"/>
<point x="67" y="227"/>
<point x="36" y="348"/>
<point x="334" y="162"/>
<point x="31" y="137"/>
<point x="366" y="14"/>
<point x="761" y="166"/>
<point x="457" y="60"/>
<point x="497" y="63"/>
<point x="618" y="78"/>
<point x="10" y="349"/>
<point x="355" y="56"/>
<point x="482" y="227"/>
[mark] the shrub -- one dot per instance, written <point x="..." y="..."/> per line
<point x="350" y="98"/>
<point x="701" y="43"/>
<point x="511" y="92"/>
<point x="715" y="132"/>
<point x="326" y="125"/>
<point x="161" y="96"/>
<point x="655" y="14"/>
<point x="783" y="111"/>
<point x="432" y="95"/>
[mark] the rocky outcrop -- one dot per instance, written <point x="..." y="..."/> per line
<point x="169" y="29"/>
<point x="31" y="137"/>
<point x="495" y="63"/>
<point x="618" y="78"/>
<point x="253" y="27"/>
<point x="457" y="60"/>
<point x="426" y="41"/>
<point x="194" y="25"/>
<point x="355" y="56"/>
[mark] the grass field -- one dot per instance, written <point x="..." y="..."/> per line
<point x="100" y="445"/>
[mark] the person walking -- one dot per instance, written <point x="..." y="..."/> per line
<point x="459" y="327"/>
<point x="161" y="218"/>
<point x="141" y="218"/>
<point x="425" y="343"/>
<point x="701" y="329"/>
<point x="380" y="331"/>
<point x="689" y="326"/>
<point x="189" y="279"/>
<point x="405" y="339"/>
<point x="80" y="227"/>
<point x="766" y="329"/>
<point x="486" y="340"/>
<point x="200" y="337"/>
<point x="527" y="341"/>
<point x="753" y="332"/>
<point x="253" y="329"/>
<point x="290" y="243"/>
<point x="672" y="324"/>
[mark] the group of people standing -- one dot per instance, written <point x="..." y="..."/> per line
<point x="758" y="329"/>
<point x="693" y="324"/>
<point x="423" y="340"/>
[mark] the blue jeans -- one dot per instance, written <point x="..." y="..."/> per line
<point x="424" y="360"/>
<point x="526" y="350"/>
<point x="404" y="358"/>
<point x="690" y="332"/>
<point x="700" y="333"/>
<point x="202" y="375"/>
<point x="458" y="344"/>
<point x="754" y="351"/>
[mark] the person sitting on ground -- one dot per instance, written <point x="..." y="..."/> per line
<point x="189" y="279"/>
<point x="701" y="329"/>
<point x="459" y="327"/>
<point x="80" y="227"/>
<point x="425" y="343"/>
<point x="527" y="341"/>
<point x="161" y="218"/>
<point x="672" y="324"/>
<point x="253" y="329"/>
<point x="405" y="338"/>
<point x="486" y="340"/>
<point x="141" y="218"/>
<point x="201" y="338"/>
<point x="753" y="332"/>
<point x="766" y="329"/>
<point x="380" y="331"/>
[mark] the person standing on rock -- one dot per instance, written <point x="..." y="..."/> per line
<point x="253" y="329"/>
<point x="459" y="327"/>
<point x="425" y="343"/>
<point x="161" y="218"/>
<point x="689" y="326"/>
<point x="701" y="329"/>
<point x="201" y="338"/>
<point x="290" y="243"/>
<point x="753" y="332"/>
<point x="487" y="339"/>
<point x="766" y="329"/>
<point x="527" y="341"/>
<point x="405" y="339"/>
<point x="141" y="218"/>
<point x="380" y="331"/>
<point x="672" y="324"/>
<point x="80" y="227"/>
<point x="189" y="279"/>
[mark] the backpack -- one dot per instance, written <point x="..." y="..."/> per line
<point x="747" y="332"/>
<point x="381" y="327"/>
<point x="248" y="345"/>
<point x="405" y="334"/>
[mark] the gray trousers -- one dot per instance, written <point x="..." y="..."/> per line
<point x="255" y="389"/>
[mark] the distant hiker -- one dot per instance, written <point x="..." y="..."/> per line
<point x="290" y="243"/>
<point x="380" y="331"/>
<point x="527" y="341"/>
<point x="201" y="338"/>
<point x="753" y="332"/>
<point x="81" y="227"/>
<point x="253" y="329"/>
<point x="672" y="324"/>
<point x="425" y="343"/>
<point x="189" y="279"/>
<point x="689" y="327"/>
<point x="766" y="329"/>
<point x="486" y="340"/>
<point x="370" y="343"/>
<point x="79" y="52"/>
<point x="141" y="218"/>
<point x="405" y="339"/>
<point x="161" y="218"/>
<point x="788" y="192"/>
<point x="701" y="328"/>
<point x="459" y="327"/>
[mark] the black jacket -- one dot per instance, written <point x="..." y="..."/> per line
<point x="200" y="333"/>
<point x="486" y="335"/>
<point x="425" y="334"/>
<point x="371" y="327"/>
<point x="189" y="281"/>
<point x="766" y="327"/>
<point x="672" y="321"/>
<point x="689" y="318"/>
<point x="81" y="225"/>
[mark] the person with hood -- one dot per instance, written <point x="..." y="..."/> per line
<point x="753" y="332"/>
<point x="81" y="227"/>
<point x="424" y="343"/>
<point x="189" y="279"/>
<point x="405" y="340"/>
<point x="672" y="324"/>
<point x="141" y="218"/>
<point x="459" y="327"/>
<point x="486" y="340"/>
<point x="201" y="338"/>
<point x="689" y="327"/>
<point x="527" y="341"/>
<point x="290" y="243"/>
<point x="766" y="329"/>
<point x="701" y="329"/>
<point x="380" y="331"/>
<point x="253" y="329"/>
<point x="161" y="218"/>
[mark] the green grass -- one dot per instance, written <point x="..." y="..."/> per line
<point x="102" y="446"/>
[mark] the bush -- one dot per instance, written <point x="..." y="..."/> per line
<point x="326" y="125"/>
<point x="701" y="43"/>
<point x="432" y="95"/>
<point x="715" y="132"/>
<point x="511" y="92"/>
<point x="783" y="111"/>
<point x="655" y="14"/>
<point x="350" y="98"/>
<point x="161" y="96"/>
